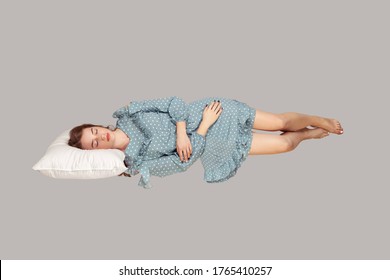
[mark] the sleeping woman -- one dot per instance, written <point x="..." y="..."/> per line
<point x="165" y="136"/>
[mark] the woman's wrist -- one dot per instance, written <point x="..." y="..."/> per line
<point x="181" y="127"/>
<point x="202" y="129"/>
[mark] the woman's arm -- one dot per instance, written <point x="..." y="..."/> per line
<point x="168" y="165"/>
<point x="171" y="164"/>
<point x="183" y="143"/>
<point x="174" y="106"/>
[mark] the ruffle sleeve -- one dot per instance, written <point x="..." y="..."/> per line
<point x="121" y="112"/>
<point x="174" y="106"/>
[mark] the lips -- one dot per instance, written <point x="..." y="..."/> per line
<point x="108" y="136"/>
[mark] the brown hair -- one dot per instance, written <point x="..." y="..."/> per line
<point x="76" y="133"/>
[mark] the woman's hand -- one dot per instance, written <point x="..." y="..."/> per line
<point x="183" y="146"/>
<point x="210" y="115"/>
<point x="183" y="143"/>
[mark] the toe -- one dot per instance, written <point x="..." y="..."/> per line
<point x="339" y="129"/>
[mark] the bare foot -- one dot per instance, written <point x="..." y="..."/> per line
<point x="316" y="133"/>
<point x="331" y="125"/>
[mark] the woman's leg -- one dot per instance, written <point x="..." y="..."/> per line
<point x="266" y="144"/>
<point x="292" y="121"/>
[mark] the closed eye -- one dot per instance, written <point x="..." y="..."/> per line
<point x="94" y="143"/>
<point x="97" y="142"/>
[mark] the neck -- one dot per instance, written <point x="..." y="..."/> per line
<point x="121" y="140"/>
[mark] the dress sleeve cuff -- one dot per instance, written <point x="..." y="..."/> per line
<point x="178" y="109"/>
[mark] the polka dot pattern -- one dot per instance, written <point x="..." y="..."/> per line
<point x="151" y="126"/>
<point x="228" y="140"/>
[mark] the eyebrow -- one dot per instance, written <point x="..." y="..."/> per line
<point x="92" y="139"/>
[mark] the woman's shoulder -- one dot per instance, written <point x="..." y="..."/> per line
<point x="121" y="112"/>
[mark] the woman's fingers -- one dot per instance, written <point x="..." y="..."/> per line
<point x="217" y="108"/>
<point x="185" y="155"/>
<point x="184" y="150"/>
<point x="182" y="155"/>
<point x="214" y="105"/>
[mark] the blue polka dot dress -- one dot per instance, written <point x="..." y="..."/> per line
<point x="151" y="127"/>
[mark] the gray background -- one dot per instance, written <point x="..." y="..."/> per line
<point x="64" y="63"/>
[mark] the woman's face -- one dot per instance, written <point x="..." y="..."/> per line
<point x="97" y="138"/>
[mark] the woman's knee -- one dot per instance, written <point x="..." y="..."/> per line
<point x="284" y="120"/>
<point x="263" y="144"/>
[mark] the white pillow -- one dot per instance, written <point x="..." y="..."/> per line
<point x="66" y="162"/>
